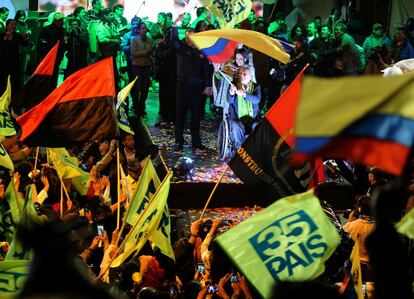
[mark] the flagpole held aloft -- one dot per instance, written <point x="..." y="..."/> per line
<point x="132" y="229"/>
<point x="214" y="190"/>
<point x="118" y="186"/>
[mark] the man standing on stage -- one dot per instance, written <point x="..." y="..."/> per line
<point x="193" y="80"/>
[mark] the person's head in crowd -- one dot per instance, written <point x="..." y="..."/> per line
<point x="312" y="29"/>
<point x="97" y="5"/>
<point x="401" y="34"/>
<point x="186" y="20"/>
<point x="20" y="16"/>
<point x="377" y="30"/>
<point x="191" y="289"/>
<point x="325" y="32"/>
<point x="79" y="12"/>
<point x="201" y="26"/>
<point x="298" y="30"/>
<point x="11" y="25"/>
<point x="4" y="13"/>
<point x="298" y="43"/>
<point x="252" y="16"/>
<point x="245" y="75"/>
<point x="241" y="57"/>
<point x="161" y="19"/>
<point x="58" y="19"/>
<point x="340" y="29"/>
<point x="134" y="168"/>
<point x="142" y="30"/>
<point x="107" y="15"/>
<point x="364" y="206"/>
<point x="335" y="13"/>
<point x="74" y="25"/>
<point x="118" y="10"/>
<point x="281" y="32"/>
<point x="148" y="293"/>
<point x="376" y="175"/>
<point x="128" y="141"/>
<point x="261" y="26"/>
<point x="188" y="33"/>
<point x="201" y="13"/>
<point x="211" y="27"/>
<point x="318" y="22"/>
<point x="169" y="20"/>
<point x="135" y="21"/>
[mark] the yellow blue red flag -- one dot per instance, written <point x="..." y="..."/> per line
<point x="289" y="240"/>
<point x="219" y="45"/>
<point x="367" y="119"/>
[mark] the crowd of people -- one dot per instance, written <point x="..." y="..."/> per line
<point x="163" y="52"/>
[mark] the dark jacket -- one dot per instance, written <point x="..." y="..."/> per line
<point x="192" y="67"/>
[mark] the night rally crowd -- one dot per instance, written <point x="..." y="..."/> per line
<point x="164" y="58"/>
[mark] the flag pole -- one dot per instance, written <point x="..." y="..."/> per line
<point x="126" y="212"/>
<point x="61" y="200"/>
<point x="118" y="186"/>
<point x="132" y="229"/>
<point x="69" y="201"/>
<point x="214" y="190"/>
<point x="35" y="164"/>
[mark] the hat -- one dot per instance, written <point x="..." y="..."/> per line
<point x="134" y="165"/>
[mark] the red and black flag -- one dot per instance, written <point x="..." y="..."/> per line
<point x="262" y="161"/>
<point x="39" y="85"/>
<point x="81" y="109"/>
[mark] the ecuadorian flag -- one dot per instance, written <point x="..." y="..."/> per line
<point x="369" y="120"/>
<point x="219" y="45"/>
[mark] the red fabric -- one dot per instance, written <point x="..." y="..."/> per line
<point x="390" y="156"/>
<point x="47" y="65"/>
<point x="226" y="54"/>
<point x="282" y="115"/>
<point x="96" y="80"/>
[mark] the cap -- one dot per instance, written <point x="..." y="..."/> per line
<point x="134" y="165"/>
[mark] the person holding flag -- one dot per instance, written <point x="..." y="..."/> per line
<point x="244" y="111"/>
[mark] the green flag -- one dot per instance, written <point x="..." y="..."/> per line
<point x="65" y="165"/>
<point x="406" y="225"/>
<point x="5" y="158"/>
<point x="15" y="201"/>
<point x="12" y="277"/>
<point x="29" y="217"/>
<point x="289" y="240"/>
<point x="6" y="123"/>
<point x="147" y="223"/>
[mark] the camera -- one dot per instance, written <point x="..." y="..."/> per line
<point x="234" y="278"/>
<point x="201" y="268"/>
<point x="212" y="289"/>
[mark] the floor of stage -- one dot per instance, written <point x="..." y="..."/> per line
<point x="207" y="165"/>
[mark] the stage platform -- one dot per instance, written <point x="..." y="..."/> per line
<point x="193" y="191"/>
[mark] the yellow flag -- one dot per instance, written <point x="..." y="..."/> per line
<point x="210" y="41"/>
<point x="6" y="124"/>
<point x="356" y="270"/>
<point x="147" y="186"/>
<point x="121" y="108"/>
<point x="406" y="225"/>
<point x="289" y="240"/>
<point x="5" y="159"/>
<point x="229" y="12"/>
<point x="13" y="274"/>
<point x="67" y="168"/>
<point x="147" y="223"/>
<point x="64" y="164"/>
